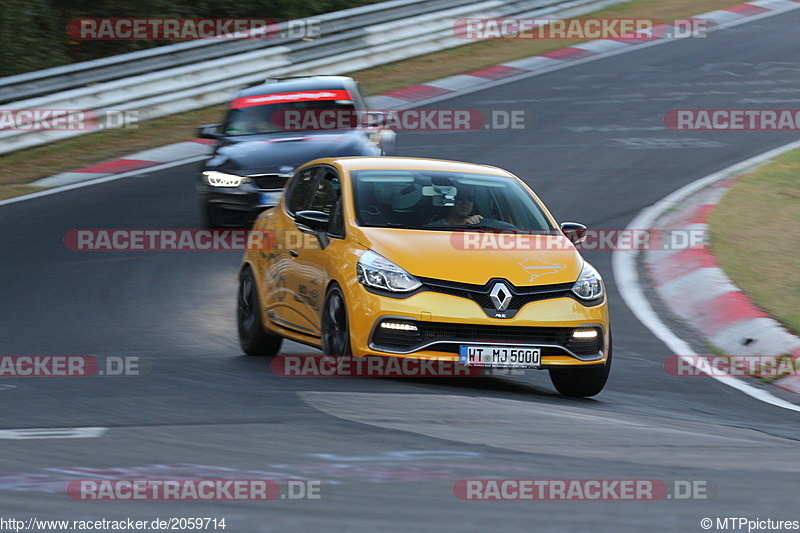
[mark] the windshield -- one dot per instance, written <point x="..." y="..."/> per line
<point x="445" y="201"/>
<point x="309" y="111"/>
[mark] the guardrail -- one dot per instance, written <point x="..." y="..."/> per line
<point x="42" y="82"/>
<point x="197" y="74"/>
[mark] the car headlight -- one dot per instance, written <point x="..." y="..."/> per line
<point x="378" y="272"/>
<point x="589" y="285"/>
<point x="221" y="179"/>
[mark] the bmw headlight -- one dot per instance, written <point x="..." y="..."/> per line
<point x="589" y="285"/>
<point x="221" y="179"/>
<point x="379" y="273"/>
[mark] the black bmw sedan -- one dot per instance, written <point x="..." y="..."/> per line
<point x="271" y="129"/>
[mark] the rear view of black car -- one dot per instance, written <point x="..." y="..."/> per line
<point x="273" y="128"/>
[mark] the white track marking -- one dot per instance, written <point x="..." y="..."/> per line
<point x="104" y="179"/>
<point x="626" y="275"/>
<point x="52" y="433"/>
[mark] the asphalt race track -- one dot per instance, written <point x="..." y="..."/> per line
<point x="387" y="452"/>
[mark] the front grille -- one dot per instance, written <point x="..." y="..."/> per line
<point x="431" y="331"/>
<point x="269" y="181"/>
<point x="480" y="293"/>
<point x="450" y="335"/>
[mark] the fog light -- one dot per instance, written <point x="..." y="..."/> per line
<point x="584" y="334"/>
<point x="404" y="326"/>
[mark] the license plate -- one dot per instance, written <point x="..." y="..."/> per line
<point x="499" y="355"/>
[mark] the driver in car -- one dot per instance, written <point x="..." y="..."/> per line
<point x="459" y="213"/>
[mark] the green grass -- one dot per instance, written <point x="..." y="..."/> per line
<point x="755" y="234"/>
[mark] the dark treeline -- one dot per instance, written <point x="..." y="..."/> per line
<point x="33" y="33"/>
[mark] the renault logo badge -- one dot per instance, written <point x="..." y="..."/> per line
<point x="500" y="295"/>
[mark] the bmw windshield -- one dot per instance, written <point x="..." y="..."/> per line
<point x="297" y="111"/>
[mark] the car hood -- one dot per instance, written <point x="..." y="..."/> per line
<point x="265" y="154"/>
<point x="475" y="258"/>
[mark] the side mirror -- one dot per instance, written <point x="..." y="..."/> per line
<point x="574" y="232"/>
<point x="209" y="131"/>
<point x="314" y="220"/>
<point x="315" y="223"/>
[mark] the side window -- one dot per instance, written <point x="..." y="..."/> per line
<point x="336" y="228"/>
<point x="326" y="193"/>
<point x="327" y="198"/>
<point x="300" y="190"/>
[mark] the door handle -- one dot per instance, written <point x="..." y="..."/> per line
<point x="294" y="253"/>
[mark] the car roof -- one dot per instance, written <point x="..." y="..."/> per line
<point x="310" y="83"/>
<point x="414" y="163"/>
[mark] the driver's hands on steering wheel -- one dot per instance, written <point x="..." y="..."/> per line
<point x="474" y="219"/>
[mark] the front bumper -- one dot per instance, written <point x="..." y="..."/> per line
<point x="444" y="322"/>
<point x="233" y="206"/>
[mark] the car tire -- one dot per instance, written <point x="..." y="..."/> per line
<point x="335" y="326"/>
<point x="582" y="382"/>
<point x="252" y="336"/>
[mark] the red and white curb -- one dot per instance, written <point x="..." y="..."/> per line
<point x="697" y="291"/>
<point x="137" y="161"/>
<point x="429" y="92"/>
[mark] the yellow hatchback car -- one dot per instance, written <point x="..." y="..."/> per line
<point x="426" y="259"/>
